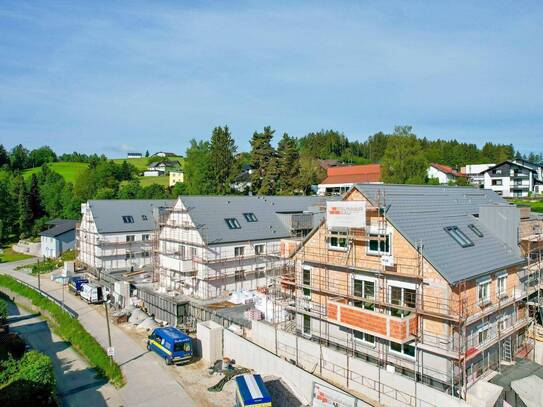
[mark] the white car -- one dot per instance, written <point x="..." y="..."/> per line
<point x="93" y="293"/>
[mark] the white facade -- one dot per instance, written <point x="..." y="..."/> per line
<point x="175" y="177"/>
<point x="443" y="177"/>
<point x="152" y="173"/>
<point x="510" y="180"/>
<point x="190" y="266"/>
<point x="473" y="172"/>
<point x="333" y="189"/>
<point x="113" y="251"/>
<point x="53" y="247"/>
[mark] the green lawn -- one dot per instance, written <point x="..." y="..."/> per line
<point x="142" y="163"/>
<point x="9" y="255"/>
<point x="536" y="205"/>
<point x="68" y="170"/>
<point x="161" y="180"/>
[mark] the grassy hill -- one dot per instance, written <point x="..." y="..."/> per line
<point x="68" y="170"/>
<point x="161" y="180"/>
<point x="142" y="163"/>
<point x="536" y="205"/>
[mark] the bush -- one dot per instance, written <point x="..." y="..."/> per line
<point x="70" y="329"/>
<point x="11" y="344"/>
<point x="69" y="255"/>
<point x="45" y="266"/>
<point x="28" y="381"/>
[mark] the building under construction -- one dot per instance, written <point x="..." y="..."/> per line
<point x="440" y="284"/>
<point x="210" y="246"/>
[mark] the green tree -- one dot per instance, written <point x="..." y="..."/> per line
<point x="324" y="144"/>
<point x="18" y="158"/>
<point x="270" y="180"/>
<point x="24" y="221"/>
<point x="262" y="153"/>
<point x="40" y="156"/>
<point x="221" y="160"/>
<point x="147" y="153"/>
<point x="404" y="161"/>
<point x="34" y="198"/>
<point x="288" y="165"/>
<point x="130" y="190"/>
<point x="4" y="158"/>
<point x="311" y="173"/>
<point x="196" y="168"/>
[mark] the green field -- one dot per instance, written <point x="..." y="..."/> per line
<point x="537" y="206"/>
<point x="9" y="255"/>
<point x="161" y="180"/>
<point x="69" y="171"/>
<point x="142" y="163"/>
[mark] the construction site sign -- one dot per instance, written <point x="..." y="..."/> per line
<point x="325" y="396"/>
<point x="346" y="214"/>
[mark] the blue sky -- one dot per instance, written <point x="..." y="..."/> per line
<point x="109" y="77"/>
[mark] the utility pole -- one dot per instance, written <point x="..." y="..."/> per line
<point x="108" y="329"/>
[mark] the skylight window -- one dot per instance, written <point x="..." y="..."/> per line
<point x="458" y="236"/>
<point x="475" y="230"/>
<point x="128" y="219"/>
<point x="250" y="217"/>
<point x="143" y="217"/>
<point x="232" y="223"/>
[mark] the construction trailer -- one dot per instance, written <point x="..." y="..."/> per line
<point x="436" y="284"/>
<point x="210" y="246"/>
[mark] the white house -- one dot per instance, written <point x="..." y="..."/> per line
<point x="211" y="245"/>
<point x="59" y="238"/>
<point x="175" y="177"/>
<point x="443" y="173"/>
<point x="474" y="173"/>
<point x="163" y="154"/>
<point x="119" y="234"/>
<point x="242" y="183"/>
<point x="134" y="155"/>
<point x="512" y="179"/>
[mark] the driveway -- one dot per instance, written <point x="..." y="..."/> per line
<point x="77" y="383"/>
<point x="149" y="381"/>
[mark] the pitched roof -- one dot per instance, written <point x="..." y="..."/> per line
<point x="108" y="214"/>
<point x="209" y="214"/>
<point x="353" y="174"/>
<point x="420" y="214"/>
<point x="60" y="226"/>
<point x="446" y="169"/>
<point x="330" y="163"/>
<point x="510" y="162"/>
<point x="167" y="163"/>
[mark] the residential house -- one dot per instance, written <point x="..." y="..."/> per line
<point x="512" y="179"/>
<point x="212" y="245"/>
<point x="425" y="281"/>
<point x="164" y="154"/>
<point x="134" y="155"/>
<point x="119" y="234"/>
<point x="325" y="164"/>
<point x="473" y="172"/>
<point x="443" y="173"/>
<point x="242" y="183"/>
<point x="58" y="237"/>
<point x="162" y="168"/>
<point x="341" y="178"/>
<point x="176" y="176"/>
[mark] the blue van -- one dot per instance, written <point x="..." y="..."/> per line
<point x="75" y="284"/>
<point x="170" y="343"/>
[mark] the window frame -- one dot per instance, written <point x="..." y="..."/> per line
<point x="239" y="276"/>
<point x="261" y="249"/>
<point x="401" y="313"/>
<point x="250" y="217"/>
<point x="239" y="251"/>
<point x="387" y="243"/>
<point x="458" y="236"/>
<point x="144" y="217"/>
<point x="127" y="218"/>
<point x="402" y="351"/>
<point x="339" y="236"/>
<point x="484" y="283"/>
<point x="364" y="340"/>
<point x="232" y="223"/>
<point x="146" y="237"/>
<point x="306" y="291"/>
<point x="475" y="230"/>
<point x="130" y="238"/>
<point x="360" y="303"/>
<point x="500" y="293"/>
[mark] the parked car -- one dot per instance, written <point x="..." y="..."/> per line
<point x="93" y="293"/>
<point x="75" y="284"/>
<point x="170" y="343"/>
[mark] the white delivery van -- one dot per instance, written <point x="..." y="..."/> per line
<point x="93" y="293"/>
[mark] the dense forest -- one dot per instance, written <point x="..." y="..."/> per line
<point x="286" y="166"/>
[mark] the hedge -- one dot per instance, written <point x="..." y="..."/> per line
<point x="71" y="330"/>
<point x="3" y="310"/>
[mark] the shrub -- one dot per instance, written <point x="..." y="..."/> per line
<point x="45" y="266"/>
<point x="70" y="329"/>
<point x="28" y="381"/>
<point x="69" y="255"/>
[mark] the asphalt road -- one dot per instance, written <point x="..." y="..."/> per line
<point x="149" y="381"/>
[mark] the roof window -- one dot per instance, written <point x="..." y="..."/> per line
<point x="458" y="236"/>
<point x="232" y="223"/>
<point x="128" y="219"/>
<point x="250" y="217"/>
<point x="475" y="230"/>
<point x="143" y="217"/>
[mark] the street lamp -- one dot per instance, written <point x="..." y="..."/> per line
<point x="110" y="350"/>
